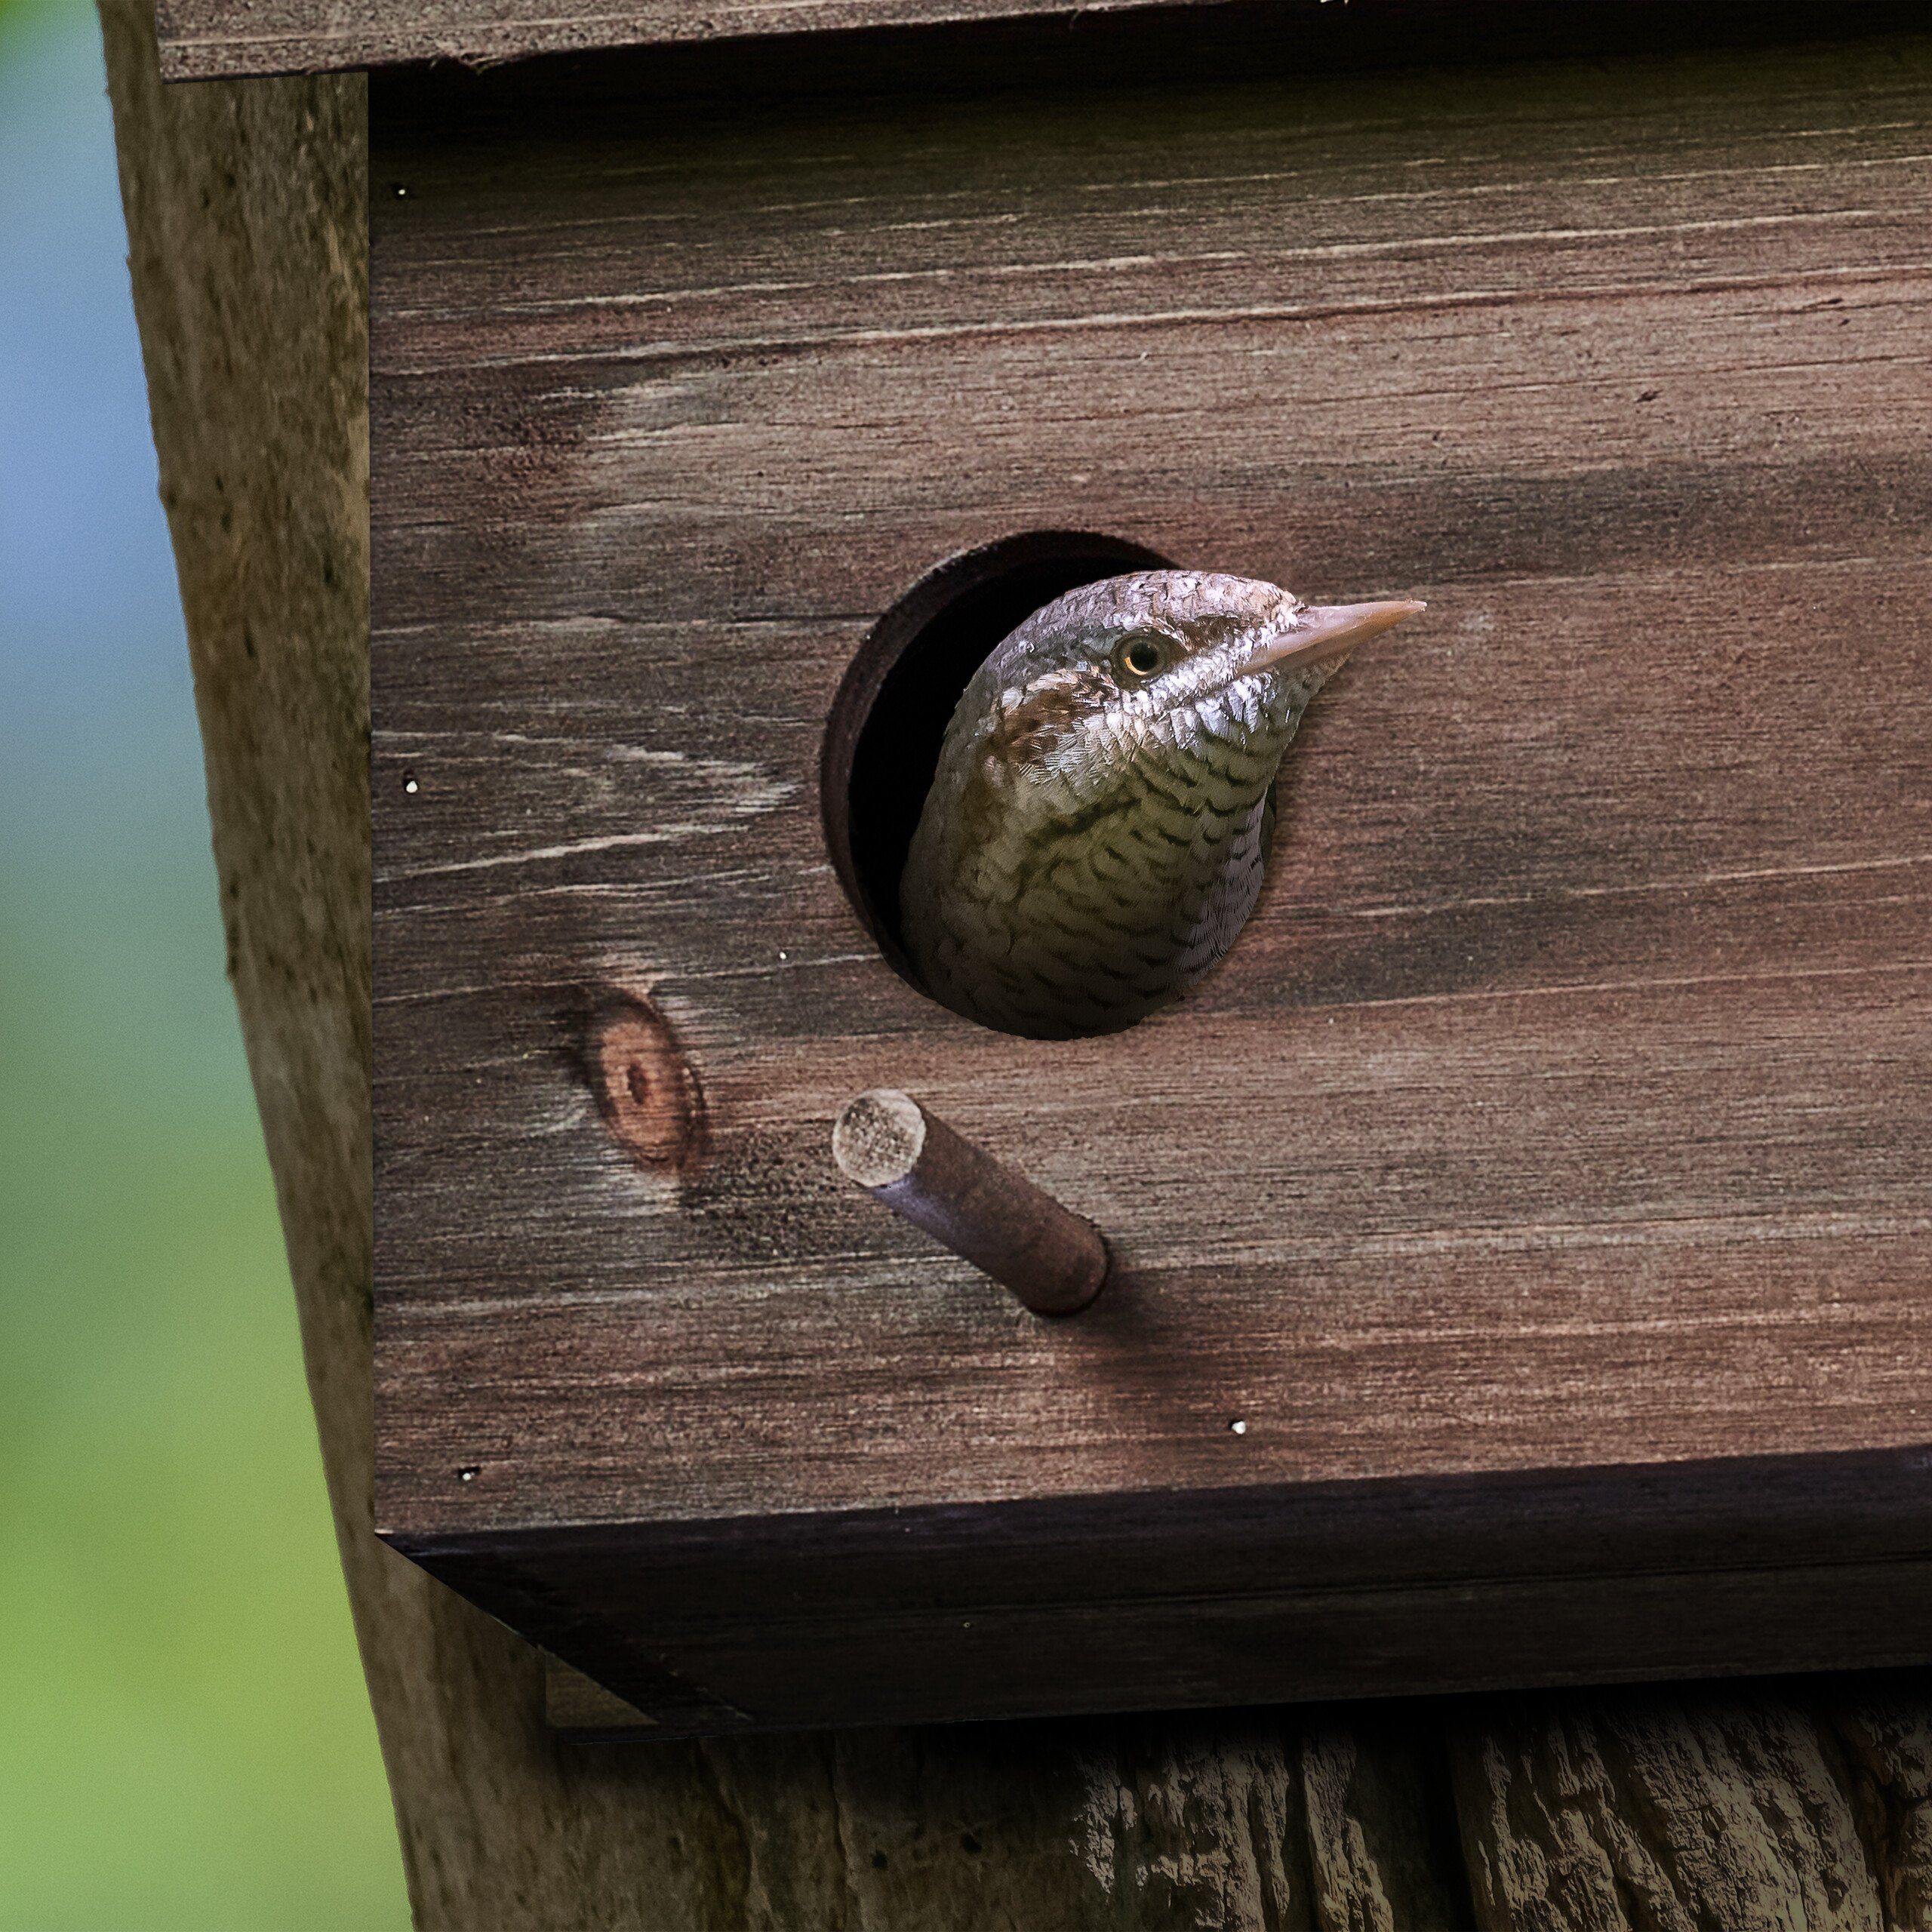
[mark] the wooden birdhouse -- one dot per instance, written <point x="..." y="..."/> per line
<point x="1518" y="1247"/>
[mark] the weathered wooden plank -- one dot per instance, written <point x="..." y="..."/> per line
<point x="1653" y="1809"/>
<point x="864" y="1669"/>
<point x="1564" y="1106"/>
<point x="1381" y="1856"/>
<point x="209" y="39"/>
<point x="1884" y="1727"/>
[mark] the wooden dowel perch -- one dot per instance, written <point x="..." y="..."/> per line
<point x="997" y="1219"/>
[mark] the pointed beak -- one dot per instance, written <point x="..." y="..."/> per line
<point x="1326" y="633"/>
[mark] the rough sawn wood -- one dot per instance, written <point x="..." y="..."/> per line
<point x="1565" y="1106"/>
<point x="1808" y="1806"/>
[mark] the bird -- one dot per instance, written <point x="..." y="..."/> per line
<point x="1099" y="824"/>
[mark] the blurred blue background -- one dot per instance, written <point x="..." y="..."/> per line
<point x="184" y="1739"/>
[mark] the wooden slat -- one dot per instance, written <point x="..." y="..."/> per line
<point x="1193" y="1652"/>
<point x="1314" y="1593"/>
<point x="1566" y="1105"/>
<point x="212" y="39"/>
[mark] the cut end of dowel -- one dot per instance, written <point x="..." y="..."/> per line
<point x="879" y="1137"/>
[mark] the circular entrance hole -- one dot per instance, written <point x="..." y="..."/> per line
<point x="889" y="719"/>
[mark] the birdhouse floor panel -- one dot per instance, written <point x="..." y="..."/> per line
<point x="1521" y="1238"/>
<point x="1365" y="1588"/>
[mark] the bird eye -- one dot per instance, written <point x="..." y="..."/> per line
<point x="1139" y="657"/>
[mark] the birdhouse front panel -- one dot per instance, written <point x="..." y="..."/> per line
<point x="1518" y="1241"/>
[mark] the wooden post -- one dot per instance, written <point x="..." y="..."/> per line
<point x="1725" y="1807"/>
<point x="911" y="1161"/>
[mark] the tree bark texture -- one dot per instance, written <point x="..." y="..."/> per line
<point x="1726" y="1806"/>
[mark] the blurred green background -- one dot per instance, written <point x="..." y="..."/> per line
<point x="184" y="1739"/>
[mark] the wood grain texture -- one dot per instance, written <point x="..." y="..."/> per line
<point x="208" y="39"/>
<point x="1887" y="1742"/>
<point x="1391" y="1589"/>
<point x="1131" y="1825"/>
<point x="1703" y="1810"/>
<point x="1565" y="1104"/>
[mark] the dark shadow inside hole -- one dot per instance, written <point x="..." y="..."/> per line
<point x="889" y="719"/>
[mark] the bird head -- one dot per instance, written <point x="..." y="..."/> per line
<point x="1175" y="666"/>
<point x="1095" y="832"/>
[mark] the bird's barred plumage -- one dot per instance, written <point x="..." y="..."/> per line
<point x="1097" y="829"/>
